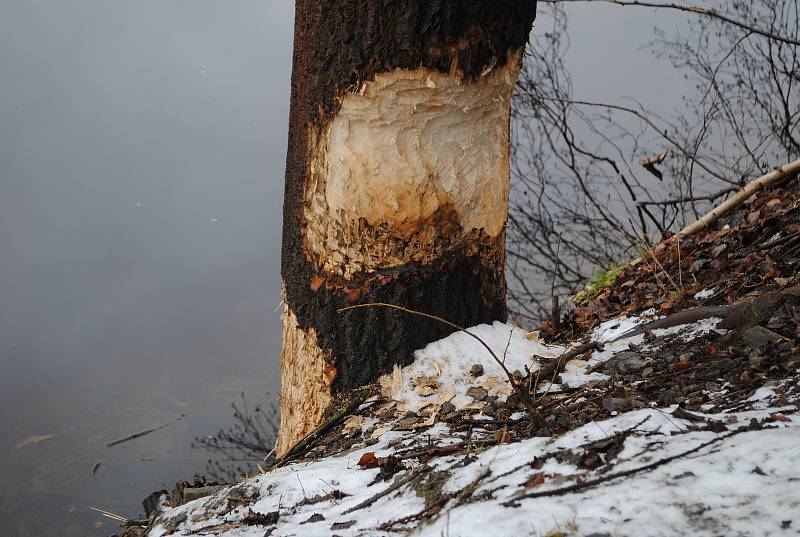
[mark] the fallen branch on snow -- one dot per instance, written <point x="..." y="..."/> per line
<point x="609" y="477"/>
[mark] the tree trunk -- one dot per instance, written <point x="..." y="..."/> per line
<point x="397" y="183"/>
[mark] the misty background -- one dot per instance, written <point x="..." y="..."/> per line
<point x="142" y="149"/>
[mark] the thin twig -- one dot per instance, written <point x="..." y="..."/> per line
<point x="609" y="477"/>
<point x="689" y="9"/>
<point x="508" y="344"/>
<point x="524" y="396"/>
<point x="138" y="435"/>
<point x="412" y="475"/>
<point x="109" y="514"/>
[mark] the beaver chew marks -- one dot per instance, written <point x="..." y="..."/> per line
<point x="306" y="377"/>
<point x="411" y="164"/>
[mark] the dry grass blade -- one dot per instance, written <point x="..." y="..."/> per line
<point x="109" y="514"/>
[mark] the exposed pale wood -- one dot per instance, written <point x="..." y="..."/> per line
<point x="306" y="377"/>
<point x="412" y="164"/>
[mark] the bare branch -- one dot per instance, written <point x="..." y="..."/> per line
<point x="689" y="9"/>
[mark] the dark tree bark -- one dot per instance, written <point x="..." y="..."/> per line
<point x="396" y="184"/>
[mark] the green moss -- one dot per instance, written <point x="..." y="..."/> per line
<point x="603" y="279"/>
<point x="429" y="487"/>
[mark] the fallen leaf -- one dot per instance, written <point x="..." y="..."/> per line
<point x="369" y="460"/>
<point x="535" y="480"/>
<point x="34" y="439"/>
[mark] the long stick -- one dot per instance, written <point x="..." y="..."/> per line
<point x="722" y="209"/>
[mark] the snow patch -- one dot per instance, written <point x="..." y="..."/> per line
<point x="442" y="371"/>
<point x="704" y="294"/>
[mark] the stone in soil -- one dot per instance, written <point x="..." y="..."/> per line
<point x="477" y="393"/>
<point x="624" y="362"/>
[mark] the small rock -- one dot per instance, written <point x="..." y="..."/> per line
<point x="624" y="362"/>
<point x="698" y="265"/>
<point x="754" y="313"/>
<point x="758" y="337"/>
<point x="406" y="424"/>
<point x="616" y="404"/>
<point x="756" y="359"/>
<point x="153" y="502"/>
<point x="477" y="393"/>
<point x="476" y="370"/>
<point x="447" y="408"/>
<point x="195" y="493"/>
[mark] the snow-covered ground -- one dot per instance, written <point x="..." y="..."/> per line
<point x="650" y="471"/>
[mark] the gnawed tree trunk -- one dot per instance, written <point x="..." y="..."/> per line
<point x="397" y="183"/>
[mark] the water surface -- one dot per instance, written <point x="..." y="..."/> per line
<point x="142" y="150"/>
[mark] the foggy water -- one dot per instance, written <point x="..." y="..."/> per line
<point x="142" y="149"/>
